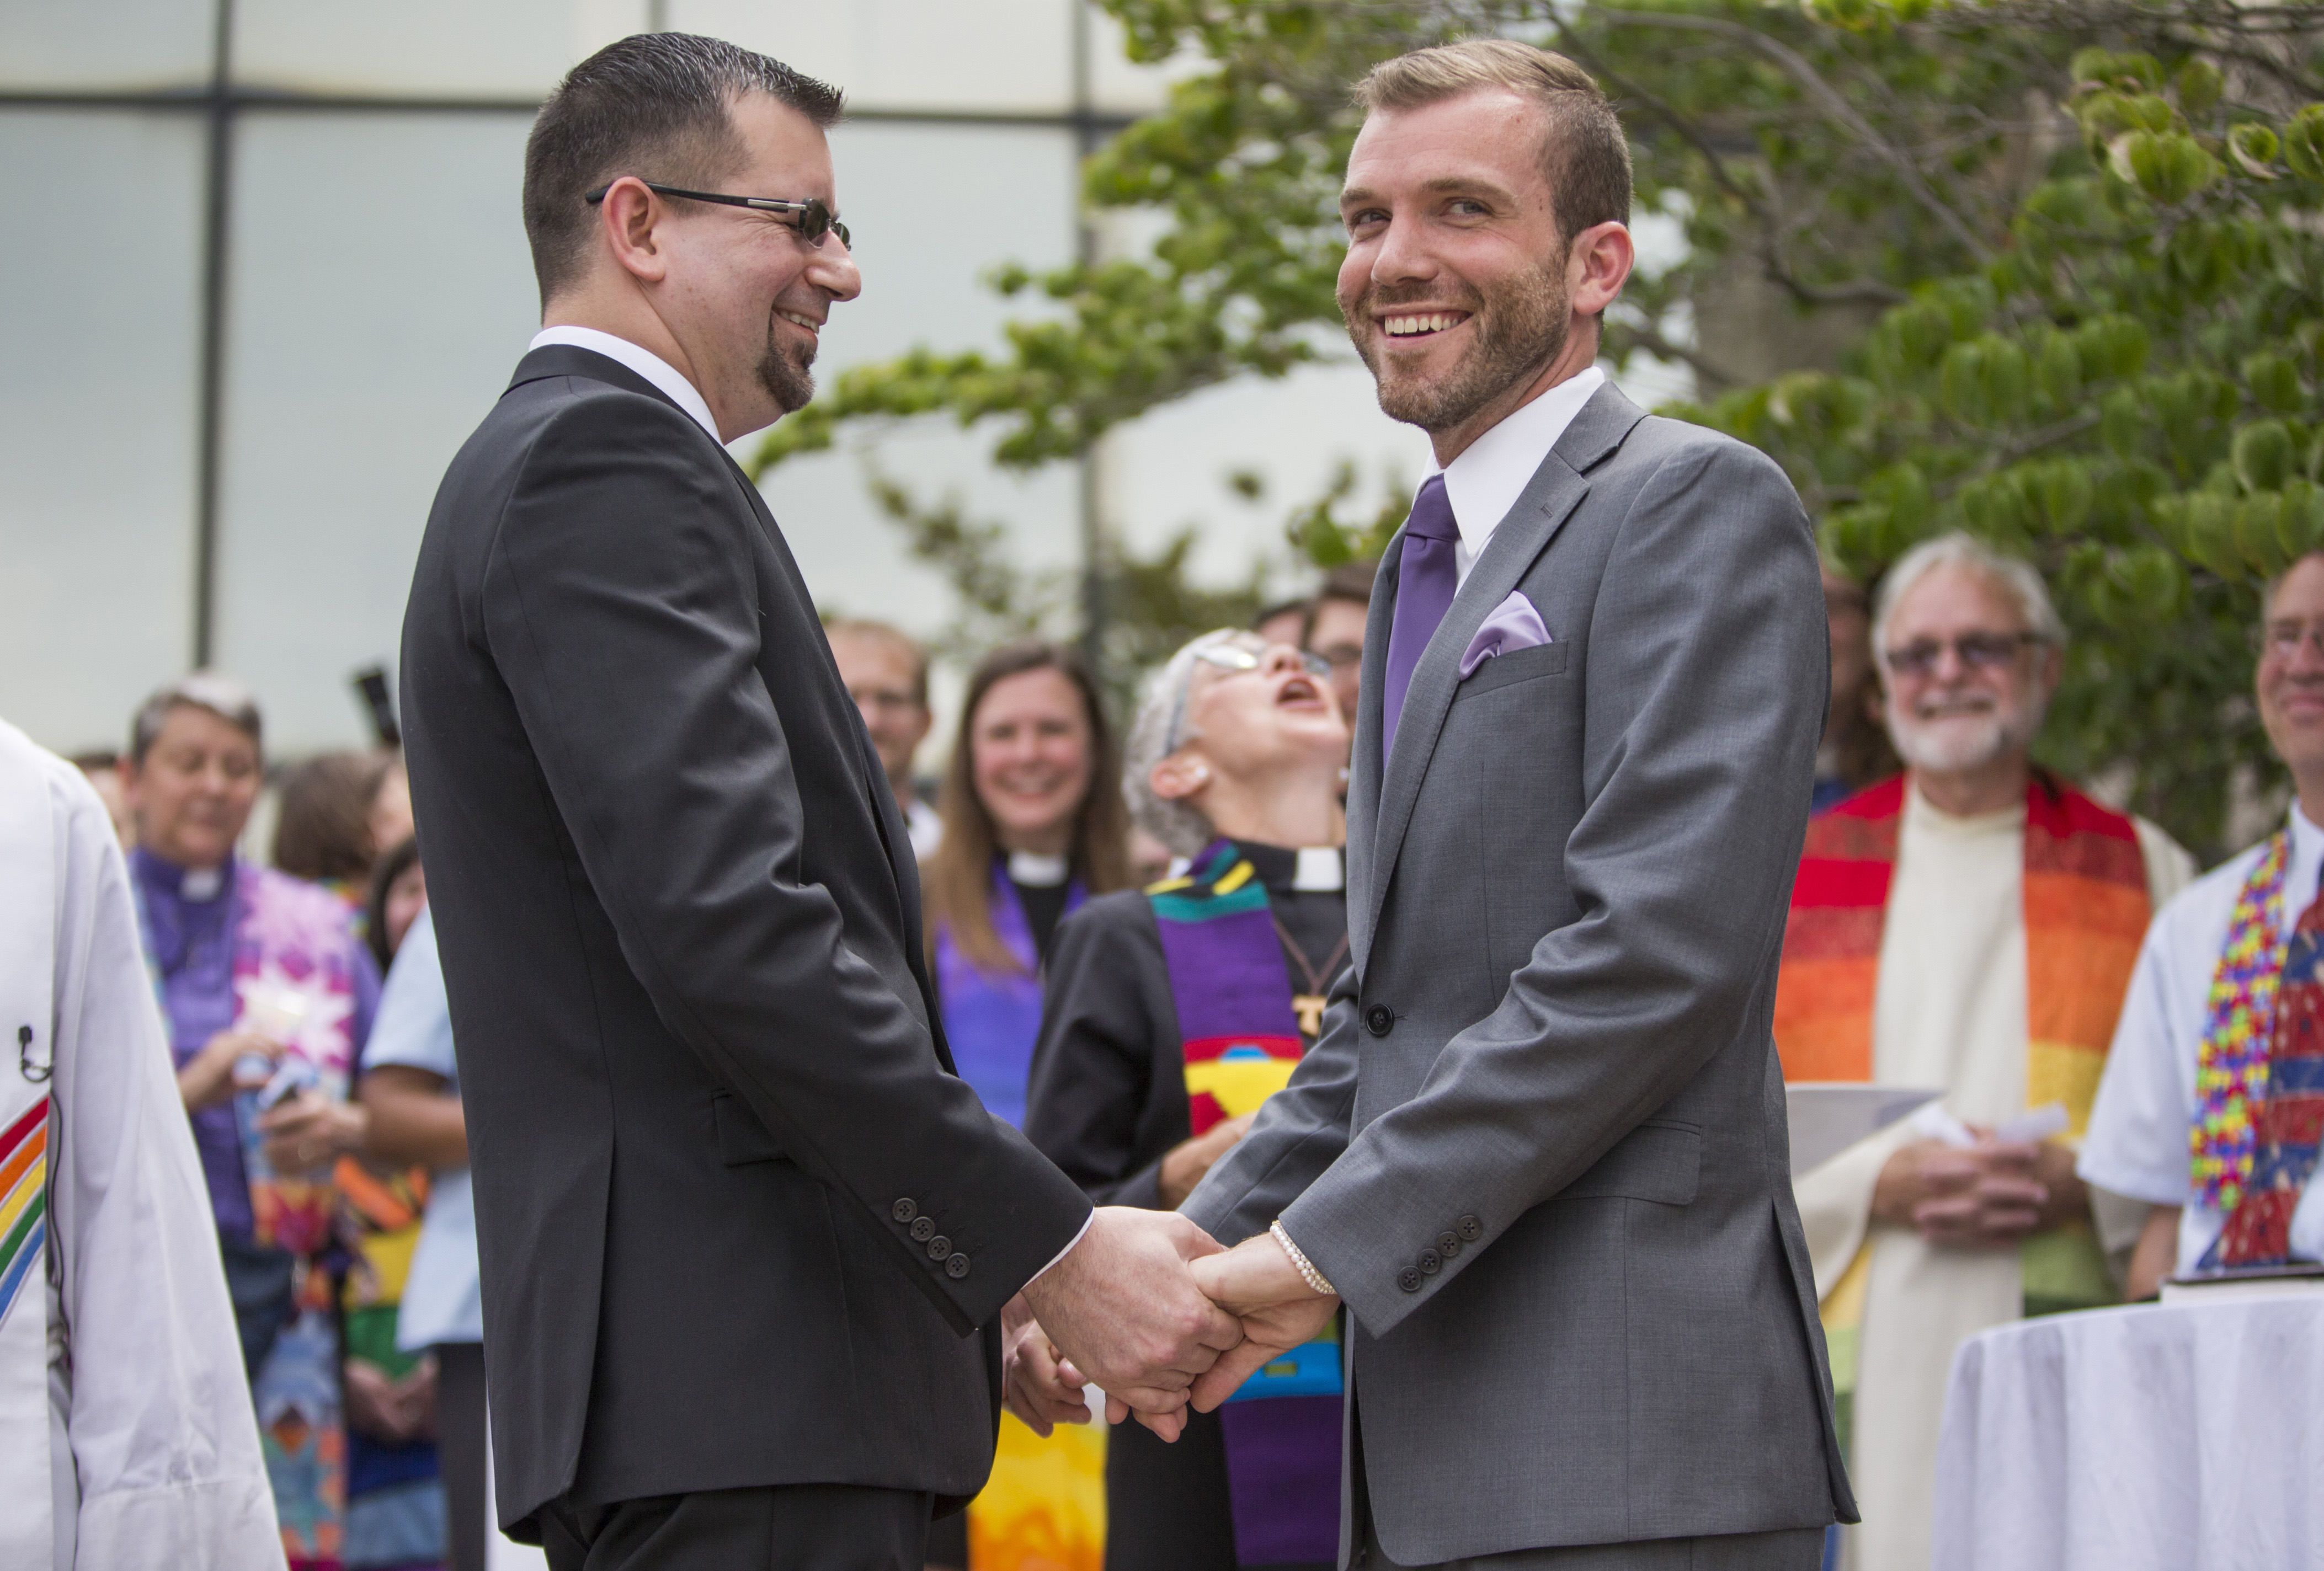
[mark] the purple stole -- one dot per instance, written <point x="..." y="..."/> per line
<point x="992" y="1018"/>
<point x="1239" y="1043"/>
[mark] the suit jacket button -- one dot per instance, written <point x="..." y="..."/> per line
<point x="1431" y="1261"/>
<point x="1378" y="1019"/>
<point x="1469" y="1229"/>
<point x="939" y="1246"/>
<point x="903" y="1211"/>
<point x="923" y="1230"/>
<point x="1448" y="1244"/>
<point x="956" y="1266"/>
<point x="1408" y="1280"/>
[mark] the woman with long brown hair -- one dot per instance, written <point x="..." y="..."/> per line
<point x="1034" y="824"/>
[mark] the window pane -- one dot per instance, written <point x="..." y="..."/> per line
<point x="381" y="294"/>
<point x="426" y="48"/>
<point x="97" y="417"/>
<point x="994" y="55"/>
<point x="124" y="45"/>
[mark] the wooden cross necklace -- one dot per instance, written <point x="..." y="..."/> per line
<point x="1309" y="1006"/>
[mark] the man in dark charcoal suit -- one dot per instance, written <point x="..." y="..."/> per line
<point x="739" y="1223"/>
<point x="1540" y="1150"/>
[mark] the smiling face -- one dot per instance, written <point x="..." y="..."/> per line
<point x="1249" y="725"/>
<point x="1030" y="758"/>
<point x="2289" y="680"/>
<point x="1458" y="291"/>
<point x="1958" y="716"/>
<point x="193" y="791"/>
<point x="744" y="293"/>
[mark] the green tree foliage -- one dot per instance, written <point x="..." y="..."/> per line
<point x="2124" y="393"/>
<point x="2066" y="249"/>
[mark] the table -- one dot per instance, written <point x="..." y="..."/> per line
<point x="2183" y="1439"/>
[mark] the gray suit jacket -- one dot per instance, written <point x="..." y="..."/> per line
<point x="1540" y="1149"/>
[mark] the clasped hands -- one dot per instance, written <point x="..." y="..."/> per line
<point x="1158" y="1315"/>
<point x="1988" y="1196"/>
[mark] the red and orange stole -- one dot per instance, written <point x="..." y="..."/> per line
<point x="2086" y="913"/>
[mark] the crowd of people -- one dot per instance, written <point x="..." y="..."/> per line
<point x="2019" y="946"/>
<point x="1176" y="1065"/>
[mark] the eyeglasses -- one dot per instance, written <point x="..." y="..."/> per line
<point x="814" y="219"/>
<point x="2282" y="641"/>
<point x="1977" y="652"/>
<point x="1229" y="658"/>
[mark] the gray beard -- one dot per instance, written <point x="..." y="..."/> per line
<point x="1521" y="326"/>
<point x="1958" y="748"/>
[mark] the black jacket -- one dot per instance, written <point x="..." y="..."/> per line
<point x="738" y="1219"/>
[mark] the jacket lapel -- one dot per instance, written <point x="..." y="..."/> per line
<point x="1524" y="533"/>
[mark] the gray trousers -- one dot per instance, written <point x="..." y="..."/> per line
<point x="1796" y="1549"/>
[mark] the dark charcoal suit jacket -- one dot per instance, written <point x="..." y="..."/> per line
<point x="738" y="1218"/>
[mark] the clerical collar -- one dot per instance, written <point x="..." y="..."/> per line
<point x="199" y="886"/>
<point x="1308" y="869"/>
<point x="1037" y="869"/>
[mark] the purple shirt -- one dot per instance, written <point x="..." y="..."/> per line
<point x="192" y="944"/>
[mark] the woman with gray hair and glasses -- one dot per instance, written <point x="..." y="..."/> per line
<point x="1169" y="1015"/>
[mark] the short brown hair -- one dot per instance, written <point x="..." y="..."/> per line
<point x="221" y="696"/>
<point x="322" y="831"/>
<point x="895" y="638"/>
<point x="1584" y="153"/>
<point x="1351" y="582"/>
<point x="655" y="104"/>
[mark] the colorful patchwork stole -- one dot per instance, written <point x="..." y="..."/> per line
<point x="294" y="938"/>
<point x="2086" y="907"/>
<point x="2262" y="1111"/>
<point x="1240" y="1041"/>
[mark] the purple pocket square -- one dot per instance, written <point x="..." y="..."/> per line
<point x="1514" y="625"/>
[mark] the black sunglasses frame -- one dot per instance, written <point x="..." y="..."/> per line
<point x="815" y="220"/>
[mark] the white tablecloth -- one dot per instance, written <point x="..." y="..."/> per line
<point x="2186" y="1438"/>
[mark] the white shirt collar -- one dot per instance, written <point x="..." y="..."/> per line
<point x="644" y="361"/>
<point x="1321" y="869"/>
<point x="1491" y="472"/>
<point x="2302" y="867"/>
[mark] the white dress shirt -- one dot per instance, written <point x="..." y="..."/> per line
<point x="644" y="361"/>
<point x="1491" y="472"/>
<point x="2146" y="1104"/>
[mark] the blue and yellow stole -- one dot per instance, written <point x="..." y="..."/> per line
<point x="1240" y="1041"/>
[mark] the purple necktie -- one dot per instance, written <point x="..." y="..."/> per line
<point x="1425" y="579"/>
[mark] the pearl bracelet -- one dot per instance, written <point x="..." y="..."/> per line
<point x="1305" y="1267"/>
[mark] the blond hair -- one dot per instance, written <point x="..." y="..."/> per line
<point x="1583" y="153"/>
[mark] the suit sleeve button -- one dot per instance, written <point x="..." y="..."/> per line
<point x="923" y="1230"/>
<point x="1378" y="1019"/>
<point x="1408" y="1280"/>
<point x="903" y="1211"/>
<point x="1431" y="1261"/>
<point x="956" y="1266"/>
<point x="1469" y="1229"/>
<point x="939" y="1246"/>
<point x="1448" y="1244"/>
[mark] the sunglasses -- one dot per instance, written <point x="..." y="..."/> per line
<point x="814" y="219"/>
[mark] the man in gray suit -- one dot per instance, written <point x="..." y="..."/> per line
<point x="1539" y="1152"/>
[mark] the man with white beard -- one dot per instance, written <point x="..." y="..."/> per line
<point x="1968" y="926"/>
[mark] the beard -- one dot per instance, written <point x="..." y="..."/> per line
<point x="1959" y="743"/>
<point x="785" y="376"/>
<point x="1521" y="324"/>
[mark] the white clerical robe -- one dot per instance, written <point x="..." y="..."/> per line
<point x="1949" y="1011"/>
<point x="130" y="1441"/>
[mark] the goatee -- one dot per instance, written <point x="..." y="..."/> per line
<point x="1521" y="325"/>
<point x="786" y="378"/>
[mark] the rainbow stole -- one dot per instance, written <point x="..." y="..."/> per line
<point x="2086" y="908"/>
<point x="1239" y="1043"/>
<point x="24" y="1204"/>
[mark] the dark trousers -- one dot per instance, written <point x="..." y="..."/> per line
<point x="460" y="1442"/>
<point x="799" y="1527"/>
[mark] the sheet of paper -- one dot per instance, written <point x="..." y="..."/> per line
<point x="1828" y="1116"/>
